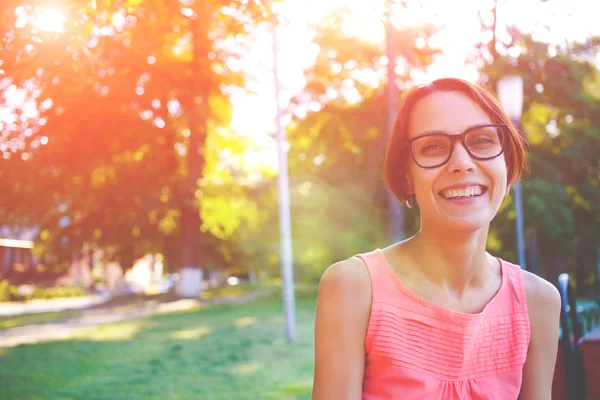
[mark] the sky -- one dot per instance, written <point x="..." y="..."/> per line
<point x="255" y="108"/>
<point x="254" y="114"/>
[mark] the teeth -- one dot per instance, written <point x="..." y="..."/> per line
<point x="466" y="192"/>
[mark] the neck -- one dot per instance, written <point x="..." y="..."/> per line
<point x="453" y="259"/>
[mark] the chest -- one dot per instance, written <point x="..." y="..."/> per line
<point x="472" y="300"/>
<point x="445" y="346"/>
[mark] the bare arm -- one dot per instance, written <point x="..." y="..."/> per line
<point x="343" y="309"/>
<point x="543" y="302"/>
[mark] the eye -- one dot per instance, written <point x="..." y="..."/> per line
<point x="431" y="147"/>
<point x="482" y="139"/>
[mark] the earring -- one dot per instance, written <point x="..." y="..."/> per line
<point x="408" y="203"/>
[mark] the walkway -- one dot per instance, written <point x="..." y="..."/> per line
<point x="111" y="312"/>
<point x="52" y="305"/>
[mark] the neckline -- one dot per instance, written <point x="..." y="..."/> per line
<point x="440" y="309"/>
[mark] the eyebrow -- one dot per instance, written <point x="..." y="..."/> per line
<point x="432" y="132"/>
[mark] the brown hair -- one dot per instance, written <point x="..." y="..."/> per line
<point x="398" y="156"/>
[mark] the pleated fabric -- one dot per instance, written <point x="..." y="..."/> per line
<point x="418" y="350"/>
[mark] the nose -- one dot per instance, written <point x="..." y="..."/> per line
<point x="460" y="160"/>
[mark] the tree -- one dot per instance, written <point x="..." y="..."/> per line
<point x="338" y="141"/>
<point x="560" y="120"/>
<point x="130" y="97"/>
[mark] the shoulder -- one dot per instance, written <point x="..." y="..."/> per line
<point x="345" y="291"/>
<point x="341" y="325"/>
<point x="344" y="304"/>
<point x="349" y="279"/>
<point x="541" y="294"/>
<point x="543" y="304"/>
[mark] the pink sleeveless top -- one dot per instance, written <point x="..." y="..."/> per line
<point x="417" y="350"/>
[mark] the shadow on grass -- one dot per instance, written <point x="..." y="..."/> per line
<point x="37" y="318"/>
<point x="221" y="352"/>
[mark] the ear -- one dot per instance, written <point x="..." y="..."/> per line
<point x="508" y="188"/>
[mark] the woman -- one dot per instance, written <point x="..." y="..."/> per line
<point x="436" y="316"/>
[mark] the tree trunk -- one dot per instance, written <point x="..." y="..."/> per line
<point x="396" y="213"/>
<point x="197" y="107"/>
<point x="214" y="278"/>
<point x="252" y="276"/>
<point x="76" y="268"/>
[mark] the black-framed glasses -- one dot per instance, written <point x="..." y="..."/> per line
<point x="482" y="142"/>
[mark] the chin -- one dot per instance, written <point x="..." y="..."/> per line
<point x="465" y="224"/>
<point x="469" y="223"/>
<point x="459" y="224"/>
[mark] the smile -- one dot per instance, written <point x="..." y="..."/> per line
<point x="470" y="191"/>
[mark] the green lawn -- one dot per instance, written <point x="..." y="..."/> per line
<point x="220" y="352"/>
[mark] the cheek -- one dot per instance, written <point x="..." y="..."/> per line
<point x="503" y="169"/>
<point x="422" y="180"/>
<point x="499" y="174"/>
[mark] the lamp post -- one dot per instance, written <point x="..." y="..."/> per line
<point x="510" y="94"/>
<point x="285" y="225"/>
<point x="397" y="217"/>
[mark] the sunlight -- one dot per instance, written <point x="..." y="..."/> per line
<point x="179" y="305"/>
<point x="365" y="20"/>
<point x="360" y="19"/>
<point x="459" y="31"/>
<point x="368" y="29"/>
<point x="113" y="332"/>
<point x="245" y="322"/>
<point x="50" y="20"/>
<point x="246" y="368"/>
<point x="192" y="333"/>
<point x="254" y="108"/>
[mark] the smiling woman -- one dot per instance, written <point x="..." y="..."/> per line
<point x="436" y="316"/>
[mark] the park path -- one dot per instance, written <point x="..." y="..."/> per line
<point x="52" y="305"/>
<point x="111" y="313"/>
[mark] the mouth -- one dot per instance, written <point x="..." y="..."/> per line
<point x="463" y="193"/>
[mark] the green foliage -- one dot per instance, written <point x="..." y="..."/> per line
<point x="332" y="221"/>
<point x="346" y="62"/>
<point x="560" y="120"/>
<point x="339" y="203"/>
<point x="57" y="292"/>
<point x="134" y="115"/>
<point x="117" y="165"/>
<point x="5" y="291"/>
<point x="10" y="292"/>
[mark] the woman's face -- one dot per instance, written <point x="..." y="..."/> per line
<point x="448" y="195"/>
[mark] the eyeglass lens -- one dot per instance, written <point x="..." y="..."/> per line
<point x="434" y="150"/>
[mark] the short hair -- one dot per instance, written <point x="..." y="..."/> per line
<point x="398" y="158"/>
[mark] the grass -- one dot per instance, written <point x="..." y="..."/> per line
<point x="226" y="292"/>
<point x="213" y="353"/>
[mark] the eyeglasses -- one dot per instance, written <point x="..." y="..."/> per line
<point x="482" y="142"/>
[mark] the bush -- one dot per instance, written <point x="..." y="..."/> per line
<point x="9" y="292"/>
<point x="5" y="291"/>
<point x="54" y="292"/>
